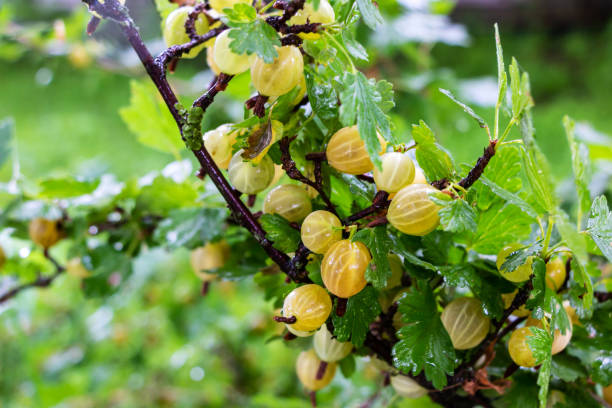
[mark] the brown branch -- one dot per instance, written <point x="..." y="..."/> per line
<point x="379" y="202"/>
<point x="603" y="296"/>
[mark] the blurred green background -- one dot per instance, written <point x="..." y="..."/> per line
<point x="157" y="342"/>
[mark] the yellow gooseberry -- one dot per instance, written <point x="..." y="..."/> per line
<point x="320" y="230"/>
<point x="346" y="151"/>
<point x="310" y="305"/>
<point x="343" y="268"/>
<point x="412" y="212"/>
<point x="307" y="366"/>
<point x="555" y="273"/>
<point x="519" y="350"/>
<point x="465" y="322"/>
<point x="520" y="274"/>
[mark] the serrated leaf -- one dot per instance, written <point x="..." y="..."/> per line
<point x="541" y="296"/>
<point x="354" y="47"/>
<point x="148" y="117"/>
<point x="190" y="227"/>
<point x="581" y="163"/>
<point x="256" y="37"/>
<point x="274" y="286"/>
<point x="599" y="226"/>
<point x="509" y="197"/>
<point x="424" y="343"/>
<point x="456" y="215"/>
<point x="498" y="226"/>
<point x="322" y="96"/>
<point x="521" y="92"/>
<point x="369" y="12"/>
<point x="540" y="343"/>
<point x="520" y="256"/>
<point x="278" y="230"/>
<point x="362" y="101"/>
<point x="433" y="159"/>
<point x="481" y="122"/>
<point x="240" y="13"/>
<point x="378" y="242"/>
<point x="164" y="194"/>
<point x="361" y="310"/>
<point x="66" y="187"/>
<point x="567" y="368"/>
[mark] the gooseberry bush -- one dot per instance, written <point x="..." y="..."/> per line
<point x="467" y="285"/>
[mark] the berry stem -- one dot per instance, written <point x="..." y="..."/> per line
<point x="341" y="306"/>
<point x="285" y="319"/>
<point x="321" y="370"/>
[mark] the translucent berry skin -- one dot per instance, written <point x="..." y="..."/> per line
<point x="320" y="230"/>
<point x="508" y="298"/>
<point x="555" y="273"/>
<point x="346" y="151"/>
<point x="343" y="268"/>
<point x="226" y="60"/>
<point x="213" y="255"/>
<point x="75" y="267"/>
<point x="397" y="172"/>
<point x="518" y="348"/>
<point x="324" y="15"/>
<point x="310" y="304"/>
<point x="306" y="368"/>
<point x="419" y="177"/>
<point x="520" y="274"/>
<point x="397" y="271"/>
<point x="44" y="232"/>
<point x="407" y="387"/>
<point x="607" y="394"/>
<point x="298" y="97"/>
<point x="219" y="5"/>
<point x="329" y="349"/>
<point x="249" y="178"/>
<point x="412" y="212"/>
<point x="560" y="341"/>
<point x="281" y="75"/>
<point x="174" y="32"/>
<point x="211" y="62"/>
<point x="465" y="322"/>
<point x="219" y="142"/>
<point x="289" y="201"/>
<point x="299" y="333"/>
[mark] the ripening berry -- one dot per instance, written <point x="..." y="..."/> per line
<point x="343" y="268"/>
<point x="508" y="298"/>
<point x="329" y="349"/>
<point x="299" y="333"/>
<point x="465" y="322"/>
<point x="75" y="267"/>
<point x="407" y="387"/>
<point x="213" y="255"/>
<point x="346" y="151"/>
<point x="44" y="232"/>
<point x="518" y="348"/>
<point x="211" y="62"/>
<point x="250" y="178"/>
<point x="219" y="5"/>
<point x="298" y="97"/>
<point x="218" y="142"/>
<point x="289" y="201"/>
<point x="174" y="31"/>
<point x="324" y="15"/>
<point x="320" y="230"/>
<point x="560" y="341"/>
<point x="307" y="366"/>
<point x="607" y="394"/>
<point x="555" y="397"/>
<point x="419" y="177"/>
<point x="397" y="271"/>
<point x="412" y="212"/>
<point x="281" y="75"/>
<point x="520" y="274"/>
<point x="555" y="274"/>
<point x="310" y="304"/>
<point x="397" y="172"/>
<point x="226" y="60"/>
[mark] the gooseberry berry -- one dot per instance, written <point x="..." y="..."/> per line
<point x="320" y="230"/>
<point x="412" y="212"/>
<point x="560" y="341"/>
<point x="520" y="274"/>
<point x="213" y="255"/>
<point x="174" y="31"/>
<point x="607" y="394"/>
<point x="397" y="172"/>
<point x="519" y="350"/>
<point x="346" y="151"/>
<point x="248" y="177"/>
<point x="44" y="232"/>
<point x="227" y="60"/>
<point x="75" y="267"/>
<point x="465" y="322"/>
<point x="419" y="177"/>
<point x="310" y="305"/>
<point x="307" y="366"/>
<point x="281" y="75"/>
<point x="289" y="201"/>
<point x="555" y="273"/>
<point x="218" y="142"/>
<point x="407" y="387"/>
<point x="329" y="349"/>
<point x="343" y="268"/>
<point x="324" y="15"/>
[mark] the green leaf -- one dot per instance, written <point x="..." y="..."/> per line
<point x="599" y="226"/>
<point x="502" y="77"/>
<point x="278" y="230"/>
<point x="164" y="194"/>
<point x="378" y="242"/>
<point x="540" y="343"/>
<point x="7" y="130"/>
<point x="257" y="37"/>
<point x="481" y="122"/>
<point x="523" y="393"/>
<point x="321" y="95"/>
<point x="581" y="164"/>
<point x="456" y="215"/>
<point x="191" y="227"/>
<point x="520" y="256"/>
<point x="567" y="368"/>
<point x="104" y="261"/>
<point x="250" y="259"/>
<point x="164" y="7"/>
<point x="503" y="171"/>
<point x="369" y="12"/>
<point x="540" y="300"/>
<point x="354" y="47"/>
<point x="240" y="13"/>
<point x="424" y="343"/>
<point x="148" y="117"/>
<point x="347" y="366"/>
<point x="274" y="286"/>
<point x="66" y="187"/>
<point x="361" y="310"/>
<point x="509" y="197"/>
<point x="594" y="350"/>
<point x="521" y="92"/>
<point x="366" y="101"/>
<point x="433" y="159"/>
<point x="400" y="248"/>
<point x="498" y="226"/>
